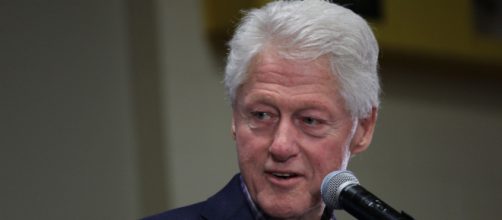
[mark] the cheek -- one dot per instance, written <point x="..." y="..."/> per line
<point x="250" y="148"/>
<point x="329" y="156"/>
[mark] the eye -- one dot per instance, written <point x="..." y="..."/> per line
<point x="261" y="119"/>
<point x="316" y="127"/>
<point x="261" y="115"/>
<point x="311" y="121"/>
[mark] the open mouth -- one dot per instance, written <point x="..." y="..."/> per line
<point x="284" y="175"/>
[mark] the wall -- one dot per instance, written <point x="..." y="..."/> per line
<point x="67" y="147"/>
<point x="437" y="143"/>
<point x="200" y="155"/>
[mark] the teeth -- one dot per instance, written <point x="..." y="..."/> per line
<point x="282" y="174"/>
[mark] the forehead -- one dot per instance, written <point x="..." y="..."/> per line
<point x="270" y="66"/>
<point x="299" y="82"/>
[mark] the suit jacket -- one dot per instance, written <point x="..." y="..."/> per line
<point x="229" y="203"/>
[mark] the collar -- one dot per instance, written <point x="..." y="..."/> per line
<point x="257" y="213"/>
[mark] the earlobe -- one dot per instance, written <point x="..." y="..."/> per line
<point x="364" y="133"/>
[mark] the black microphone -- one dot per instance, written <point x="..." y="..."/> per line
<point x="341" y="190"/>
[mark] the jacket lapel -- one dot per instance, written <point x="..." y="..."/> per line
<point x="228" y="203"/>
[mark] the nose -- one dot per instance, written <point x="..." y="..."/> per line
<point x="284" y="145"/>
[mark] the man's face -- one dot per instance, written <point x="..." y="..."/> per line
<point x="291" y="128"/>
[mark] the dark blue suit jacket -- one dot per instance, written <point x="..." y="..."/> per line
<point x="228" y="203"/>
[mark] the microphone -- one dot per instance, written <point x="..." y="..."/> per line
<point x="341" y="190"/>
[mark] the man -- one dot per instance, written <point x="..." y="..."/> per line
<point x="302" y="80"/>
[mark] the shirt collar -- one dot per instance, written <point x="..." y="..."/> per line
<point x="258" y="214"/>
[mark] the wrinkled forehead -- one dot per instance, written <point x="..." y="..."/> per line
<point x="294" y="76"/>
<point x="270" y="59"/>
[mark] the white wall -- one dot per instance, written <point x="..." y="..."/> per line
<point x="67" y="147"/>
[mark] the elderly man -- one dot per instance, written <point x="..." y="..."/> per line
<point x="302" y="80"/>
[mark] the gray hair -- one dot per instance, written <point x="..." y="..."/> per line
<point x="307" y="30"/>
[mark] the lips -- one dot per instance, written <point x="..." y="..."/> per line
<point x="283" y="179"/>
<point x="284" y="175"/>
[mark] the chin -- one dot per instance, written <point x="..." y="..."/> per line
<point x="286" y="209"/>
<point x="283" y="214"/>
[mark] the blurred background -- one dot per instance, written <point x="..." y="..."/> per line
<point x="116" y="110"/>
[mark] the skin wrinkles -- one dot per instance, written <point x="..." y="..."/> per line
<point x="278" y="96"/>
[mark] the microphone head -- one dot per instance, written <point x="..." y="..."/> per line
<point x="332" y="186"/>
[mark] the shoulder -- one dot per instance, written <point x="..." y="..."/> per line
<point x="191" y="212"/>
<point x="228" y="203"/>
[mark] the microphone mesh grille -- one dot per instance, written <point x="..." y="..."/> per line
<point x="332" y="186"/>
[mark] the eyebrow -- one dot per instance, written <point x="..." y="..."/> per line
<point x="270" y="100"/>
<point x="259" y="98"/>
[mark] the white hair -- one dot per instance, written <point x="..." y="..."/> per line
<point x="307" y="30"/>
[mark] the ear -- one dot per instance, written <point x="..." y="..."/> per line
<point x="364" y="132"/>
<point x="233" y="127"/>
